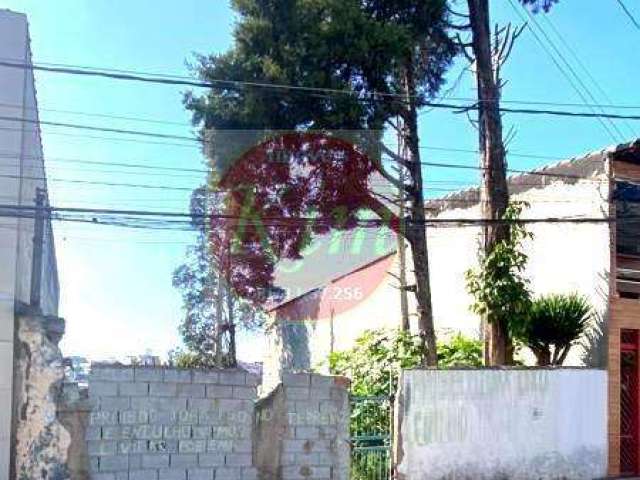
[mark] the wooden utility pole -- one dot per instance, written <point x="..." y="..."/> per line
<point x="219" y="312"/>
<point x="38" y="245"/>
<point x="494" y="194"/>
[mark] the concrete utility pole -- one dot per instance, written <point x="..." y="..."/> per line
<point x="38" y="242"/>
<point x="402" y="247"/>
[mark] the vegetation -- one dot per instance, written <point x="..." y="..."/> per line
<point x="375" y="50"/>
<point x="554" y="324"/>
<point x="212" y="309"/>
<point x="499" y="287"/>
<point x="373" y="365"/>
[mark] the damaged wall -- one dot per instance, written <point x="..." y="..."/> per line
<point x="41" y="442"/>
<point x="516" y="424"/>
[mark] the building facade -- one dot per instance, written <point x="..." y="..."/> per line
<point x="597" y="255"/>
<point x="21" y="173"/>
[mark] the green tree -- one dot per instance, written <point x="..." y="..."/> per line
<point x="554" y="324"/>
<point x="498" y="286"/>
<point x="212" y="310"/>
<point x="389" y="55"/>
<point x="373" y="365"/>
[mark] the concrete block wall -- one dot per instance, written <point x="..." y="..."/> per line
<point x="302" y="429"/>
<point x="170" y="424"/>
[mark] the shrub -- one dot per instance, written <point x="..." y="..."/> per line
<point x="553" y="325"/>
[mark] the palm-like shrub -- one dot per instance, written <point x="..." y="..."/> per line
<point x="553" y="325"/>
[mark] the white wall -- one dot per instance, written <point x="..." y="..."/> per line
<point x="20" y="155"/>
<point x="563" y="258"/>
<point x="517" y="424"/>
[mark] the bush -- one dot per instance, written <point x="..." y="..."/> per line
<point x="553" y="325"/>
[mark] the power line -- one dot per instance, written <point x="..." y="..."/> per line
<point x="629" y="14"/>
<point x="584" y="68"/>
<point x="374" y="96"/>
<point x="15" y="210"/>
<point x="555" y="61"/>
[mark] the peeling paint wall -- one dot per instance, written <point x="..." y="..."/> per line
<point x="508" y="424"/>
<point x="42" y="442"/>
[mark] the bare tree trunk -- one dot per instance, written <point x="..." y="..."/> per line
<point x="494" y="194"/>
<point x="218" y="339"/>
<point x="416" y="230"/>
<point x="231" y="325"/>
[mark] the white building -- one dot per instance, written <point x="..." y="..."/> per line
<point x="21" y="172"/>
<point x="563" y="258"/>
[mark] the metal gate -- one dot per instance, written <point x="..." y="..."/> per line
<point x="629" y="411"/>
<point x="371" y="437"/>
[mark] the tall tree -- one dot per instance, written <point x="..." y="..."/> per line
<point x="390" y="55"/>
<point x="212" y="309"/>
<point x="488" y="59"/>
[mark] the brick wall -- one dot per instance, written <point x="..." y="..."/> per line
<point x="302" y="429"/>
<point x="170" y="424"/>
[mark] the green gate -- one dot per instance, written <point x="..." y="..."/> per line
<point x="371" y="438"/>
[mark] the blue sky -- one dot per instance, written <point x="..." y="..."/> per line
<point x="117" y="296"/>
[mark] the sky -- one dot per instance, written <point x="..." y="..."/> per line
<point x="116" y="292"/>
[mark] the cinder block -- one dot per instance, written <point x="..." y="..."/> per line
<point x="320" y="393"/>
<point x="252" y="379"/>
<point x="321" y="381"/>
<point x="163" y="389"/>
<point x="93" y="433"/>
<point x="296" y="393"/>
<point x="211" y="460"/>
<point x="182" y="460"/>
<point x="133" y="417"/>
<point x="113" y="403"/>
<point x="158" y="403"/>
<point x="155" y="461"/>
<point x="132" y="448"/>
<point x="101" y="447"/>
<point x="307" y="433"/>
<point x="233" y="377"/>
<point x="296" y="379"/>
<point x="94" y="464"/>
<point x="103" y="389"/>
<point x="148" y="374"/>
<point x="205" y="376"/>
<point x="238" y="459"/>
<point x="114" y="463"/>
<point x="187" y="417"/>
<point x="219" y="391"/>
<point x="203" y="404"/>
<point x="135" y="461"/>
<point x="201" y="431"/>
<point x="245" y="393"/>
<point x="110" y="374"/>
<point x="172" y="474"/>
<point x="199" y="474"/>
<point x="103" y="476"/>
<point x="178" y="375"/>
<point x="192" y="446"/>
<point x="143" y="475"/>
<point x="249" y="473"/>
<point x="229" y="473"/>
<point x="133" y="389"/>
<point x="191" y="390"/>
<point x="242" y="446"/>
<point x="177" y="432"/>
<point x="163" y="446"/>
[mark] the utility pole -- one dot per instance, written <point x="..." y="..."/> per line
<point x="38" y="242"/>
<point x="402" y="247"/>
